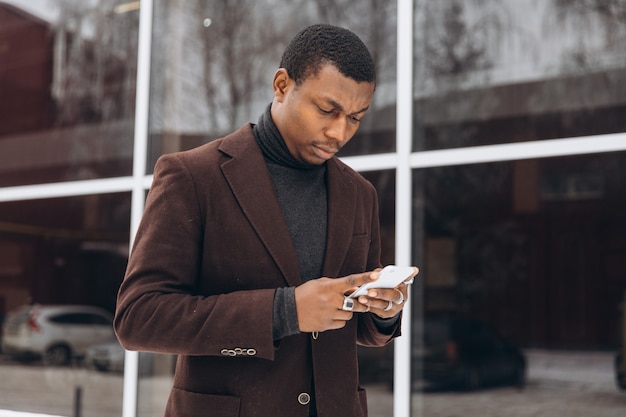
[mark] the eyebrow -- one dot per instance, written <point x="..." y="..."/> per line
<point x="340" y="107"/>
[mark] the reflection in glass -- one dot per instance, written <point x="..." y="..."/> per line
<point x="385" y="184"/>
<point x="156" y="376"/>
<point x="214" y="61"/>
<point x="525" y="256"/>
<point x="495" y="72"/>
<point x="376" y="364"/>
<point x="61" y="262"/>
<point x="67" y="88"/>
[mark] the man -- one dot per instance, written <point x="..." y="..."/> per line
<point x="236" y="233"/>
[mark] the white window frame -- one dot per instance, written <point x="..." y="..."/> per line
<point x="403" y="161"/>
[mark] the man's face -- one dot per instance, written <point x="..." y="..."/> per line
<point x="318" y="117"/>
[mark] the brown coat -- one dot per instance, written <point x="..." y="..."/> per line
<point x="209" y="253"/>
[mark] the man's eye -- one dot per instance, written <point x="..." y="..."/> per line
<point x="354" y="119"/>
<point x="326" y="111"/>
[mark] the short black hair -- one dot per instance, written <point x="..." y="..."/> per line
<point x="318" y="45"/>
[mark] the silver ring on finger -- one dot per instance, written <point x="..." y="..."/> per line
<point x="388" y="306"/>
<point x="348" y="304"/>
<point x="401" y="300"/>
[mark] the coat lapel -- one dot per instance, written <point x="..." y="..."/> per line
<point x="250" y="182"/>
<point x="247" y="174"/>
<point x="341" y="211"/>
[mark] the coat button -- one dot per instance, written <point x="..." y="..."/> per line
<point x="304" y="398"/>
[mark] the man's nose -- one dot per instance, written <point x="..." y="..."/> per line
<point x="338" y="130"/>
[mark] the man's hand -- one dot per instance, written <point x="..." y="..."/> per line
<point x="385" y="302"/>
<point x="319" y="301"/>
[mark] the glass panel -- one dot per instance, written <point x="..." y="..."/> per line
<point x="523" y="283"/>
<point x="376" y="364"/>
<point x="494" y="71"/>
<point x="61" y="262"/>
<point x="214" y="62"/>
<point x="385" y="183"/>
<point x="67" y="90"/>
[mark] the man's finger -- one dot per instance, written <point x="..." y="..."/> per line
<point x="355" y="280"/>
<point x="410" y="280"/>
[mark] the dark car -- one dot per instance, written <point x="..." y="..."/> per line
<point x="620" y="370"/>
<point x="620" y="357"/>
<point x="459" y="352"/>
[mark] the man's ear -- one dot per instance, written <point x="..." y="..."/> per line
<point x="281" y="84"/>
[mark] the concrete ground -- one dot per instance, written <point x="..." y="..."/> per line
<point x="559" y="384"/>
<point x="572" y="384"/>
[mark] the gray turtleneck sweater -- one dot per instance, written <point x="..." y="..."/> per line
<point x="301" y="192"/>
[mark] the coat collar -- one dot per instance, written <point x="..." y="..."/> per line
<point x="248" y="178"/>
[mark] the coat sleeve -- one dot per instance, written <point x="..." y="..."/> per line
<point x="159" y="307"/>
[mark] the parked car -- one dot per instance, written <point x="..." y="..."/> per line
<point x="56" y="333"/>
<point x="109" y="357"/>
<point x="106" y="357"/>
<point x="620" y="369"/>
<point x="620" y="357"/>
<point x="456" y="352"/>
<point x="459" y="352"/>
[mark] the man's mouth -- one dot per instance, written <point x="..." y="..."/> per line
<point x="326" y="152"/>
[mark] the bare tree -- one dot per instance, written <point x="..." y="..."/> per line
<point x="333" y="11"/>
<point x="97" y="64"/>
<point x="242" y="43"/>
<point x="589" y="16"/>
<point x="235" y="44"/>
<point x="614" y="10"/>
<point x="453" y="47"/>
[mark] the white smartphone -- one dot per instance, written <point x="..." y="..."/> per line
<point x="390" y="277"/>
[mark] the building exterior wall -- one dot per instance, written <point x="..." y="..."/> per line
<point x="25" y="72"/>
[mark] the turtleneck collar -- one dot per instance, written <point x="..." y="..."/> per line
<point x="273" y="145"/>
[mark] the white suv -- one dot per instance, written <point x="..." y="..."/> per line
<point x="56" y="333"/>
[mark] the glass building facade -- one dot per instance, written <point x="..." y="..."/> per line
<point x="496" y="141"/>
